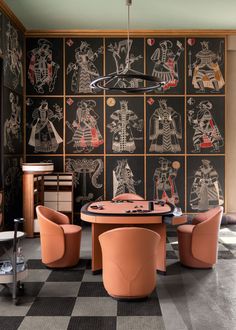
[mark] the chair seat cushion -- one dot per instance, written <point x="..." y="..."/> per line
<point x="187" y="229"/>
<point x="70" y="229"/>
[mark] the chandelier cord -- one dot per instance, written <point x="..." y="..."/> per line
<point x="128" y="36"/>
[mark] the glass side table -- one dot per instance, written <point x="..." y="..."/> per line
<point x="10" y="273"/>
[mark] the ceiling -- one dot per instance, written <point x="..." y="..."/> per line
<point x="112" y="14"/>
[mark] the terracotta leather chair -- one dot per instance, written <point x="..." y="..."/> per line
<point x="129" y="262"/>
<point x="128" y="196"/>
<point x="60" y="241"/>
<point x="198" y="243"/>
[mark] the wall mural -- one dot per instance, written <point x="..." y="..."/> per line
<point x="83" y="64"/>
<point x="173" y="137"/>
<point x="11" y="118"/>
<point x="165" y="60"/>
<point x="205" y="182"/>
<point x="119" y="53"/>
<point x="84" y="125"/>
<point x="165" y="123"/>
<point x="124" y="118"/>
<point x="124" y="175"/>
<point x="44" y="125"/>
<point x="205" y="124"/>
<point x="44" y="64"/>
<point x="166" y="178"/>
<point x="205" y="63"/>
<point x="88" y="184"/>
<point x="12" y="123"/>
<point x="13" y="56"/>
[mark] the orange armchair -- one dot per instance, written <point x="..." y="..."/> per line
<point x="198" y="243"/>
<point x="60" y="241"/>
<point x="128" y="196"/>
<point x="129" y="261"/>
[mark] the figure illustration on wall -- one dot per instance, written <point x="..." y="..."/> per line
<point x="206" y="132"/>
<point x="206" y="70"/>
<point x="164" y="181"/>
<point x="206" y="191"/>
<point x="166" y="63"/>
<point x="83" y="69"/>
<point x="124" y="122"/>
<point x="87" y="171"/>
<point x="124" y="59"/>
<point x="12" y="182"/>
<point x="44" y="137"/>
<point x="13" y="58"/>
<point x="86" y="134"/>
<point x="165" y="129"/>
<point x="12" y="125"/>
<point x="42" y="69"/>
<point x="123" y="179"/>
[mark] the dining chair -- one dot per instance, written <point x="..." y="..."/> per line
<point x="128" y="196"/>
<point x="129" y="262"/>
<point x="198" y="242"/>
<point x="60" y="240"/>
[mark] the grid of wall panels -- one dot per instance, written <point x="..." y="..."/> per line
<point x="166" y="144"/>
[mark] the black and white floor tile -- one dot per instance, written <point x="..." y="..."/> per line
<point x="76" y="299"/>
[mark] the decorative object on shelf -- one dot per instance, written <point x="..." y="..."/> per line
<point x="124" y="78"/>
<point x="37" y="167"/>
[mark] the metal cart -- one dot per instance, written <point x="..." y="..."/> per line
<point x="16" y="275"/>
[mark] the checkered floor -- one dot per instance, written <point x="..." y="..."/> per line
<point x="76" y="299"/>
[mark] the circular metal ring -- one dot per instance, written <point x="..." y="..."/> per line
<point x="97" y="83"/>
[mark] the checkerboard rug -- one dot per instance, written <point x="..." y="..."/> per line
<point x="76" y="299"/>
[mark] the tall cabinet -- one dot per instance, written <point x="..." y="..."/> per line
<point x="54" y="190"/>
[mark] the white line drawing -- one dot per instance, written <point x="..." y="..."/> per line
<point x="206" y="191"/>
<point x="12" y="125"/>
<point x="124" y="122"/>
<point x="86" y="169"/>
<point x="165" y="129"/>
<point x="14" y="56"/>
<point x="164" y="181"/>
<point x="166" y="63"/>
<point x="12" y="182"/>
<point x="42" y="69"/>
<point x="206" y="132"/>
<point x="83" y="69"/>
<point x="86" y="134"/>
<point x="44" y="137"/>
<point x="123" y="178"/>
<point x="205" y="71"/>
<point x="124" y="59"/>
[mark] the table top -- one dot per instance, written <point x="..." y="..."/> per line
<point x="125" y="212"/>
<point x="127" y="208"/>
<point x="9" y="235"/>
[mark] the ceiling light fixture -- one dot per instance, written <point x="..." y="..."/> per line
<point x="122" y="80"/>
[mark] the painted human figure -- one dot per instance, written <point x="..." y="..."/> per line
<point x="206" y="70"/>
<point x="12" y="129"/>
<point x="83" y="69"/>
<point x="42" y="69"/>
<point x="123" y="179"/>
<point x="165" y="129"/>
<point x="86" y="134"/>
<point x="124" y="122"/>
<point x="206" y="191"/>
<point x="124" y="59"/>
<point x="44" y="137"/>
<point x="166" y="63"/>
<point x="13" y="60"/>
<point x="164" y="181"/>
<point x="206" y="133"/>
